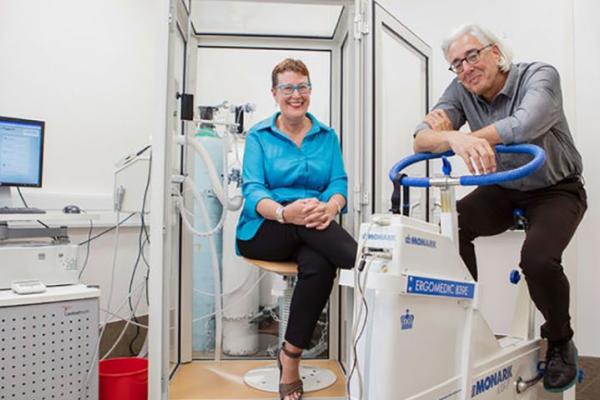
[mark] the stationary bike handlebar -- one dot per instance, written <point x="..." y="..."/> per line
<point x="539" y="157"/>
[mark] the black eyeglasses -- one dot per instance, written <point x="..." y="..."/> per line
<point x="472" y="57"/>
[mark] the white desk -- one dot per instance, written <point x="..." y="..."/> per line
<point x="51" y="295"/>
<point x="50" y="216"/>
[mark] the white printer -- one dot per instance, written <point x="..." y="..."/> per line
<point x="51" y="264"/>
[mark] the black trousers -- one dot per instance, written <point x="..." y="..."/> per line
<point x="553" y="214"/>
<point x="318" y="254"/>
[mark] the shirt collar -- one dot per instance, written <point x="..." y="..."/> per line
<point x="269" y="123"/>
<point x="509" y="88"/>
<point x="511" y="82"/>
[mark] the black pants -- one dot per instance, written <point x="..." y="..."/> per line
<point x="553" y="214"/>
<point x="318" y="254"/>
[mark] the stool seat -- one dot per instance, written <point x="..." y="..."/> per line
<point x="267" y="378"/>
<point x="285" y="268"/>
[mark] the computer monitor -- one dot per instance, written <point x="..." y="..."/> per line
<point x="21" y="155"/>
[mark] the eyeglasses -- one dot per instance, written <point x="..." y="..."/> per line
<point x="288" y="89"/>
<point x="472" y="57"/>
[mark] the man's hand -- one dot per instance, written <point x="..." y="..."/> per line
<point x="319" y="215"/>
<point x="477" y="153"/>
<point x="438" y="121"/>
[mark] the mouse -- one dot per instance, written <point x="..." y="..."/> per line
<point x="72" y="209"/>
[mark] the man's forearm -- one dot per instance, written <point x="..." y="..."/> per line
<point x="430" y="141"/>
<point x="489" y="133"/>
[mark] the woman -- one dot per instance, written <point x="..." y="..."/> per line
<point x="294" y="188"/>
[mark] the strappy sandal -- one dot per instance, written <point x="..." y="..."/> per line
<point x="286" y="389"/>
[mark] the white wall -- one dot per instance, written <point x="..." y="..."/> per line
<point x="89" y="69"/>
<point x="539" y="31"/>
<point x="565" y="34"/>
<point x="587" y="72"/>
<point x="221" y="77"/>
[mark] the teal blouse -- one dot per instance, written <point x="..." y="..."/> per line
<point x="275" y="168"/>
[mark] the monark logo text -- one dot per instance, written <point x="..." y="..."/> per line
<point x="379" y="236"/>
<point x="418" y="241"/>
<point x="491" y="381"/>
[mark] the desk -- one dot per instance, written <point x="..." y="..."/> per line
<point x="51" y="216"/>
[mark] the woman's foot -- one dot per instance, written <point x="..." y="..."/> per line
<point x="290" y="384"/>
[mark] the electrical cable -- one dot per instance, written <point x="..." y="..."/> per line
<point x="141" y="244"/>
<point x="356" y="331"/>
<point x="123" y="330"/>
<point x="359" y="327"/>
<point x="26" y="206"/>
<point x="112" y="314"/>
<point x="87" y="253"/>
<point x="124" y="302"/>
<point x="110" y="292"/>
<point x="107" y="230"/>
<point x="114" y="263"/>
<point x="139" y="256"/>
<point x="95" y="355"/>
<point x="362" y="289"/>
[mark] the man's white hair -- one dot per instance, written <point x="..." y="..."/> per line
<point x="485" y="37"/>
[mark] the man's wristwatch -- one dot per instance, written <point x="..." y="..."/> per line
<point x="279" y="215"/>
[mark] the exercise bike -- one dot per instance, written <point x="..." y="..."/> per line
<point x="417" y="331"/>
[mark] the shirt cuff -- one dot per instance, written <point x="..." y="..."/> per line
<point x="422" y="126"/>
<point x="252" y="202"/>
<point x="505" y="131"/>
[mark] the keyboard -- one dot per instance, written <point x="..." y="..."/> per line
<point x="21" y="210"/>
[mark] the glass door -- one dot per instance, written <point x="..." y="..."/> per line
<point x="401" y="76"/>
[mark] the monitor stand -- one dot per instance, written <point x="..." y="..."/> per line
<point x="5" y="197"/>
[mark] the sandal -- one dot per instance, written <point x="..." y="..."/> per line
<point x="286" y="389"/>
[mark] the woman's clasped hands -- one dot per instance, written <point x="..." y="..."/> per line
<point x="311" y="213"/>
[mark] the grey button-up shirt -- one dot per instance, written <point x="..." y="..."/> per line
<point x="527" y="110"/>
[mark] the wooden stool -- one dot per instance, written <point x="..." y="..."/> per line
<point x="267" y="378"/>
<point x="285" y="268"/>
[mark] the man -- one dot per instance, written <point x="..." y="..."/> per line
<point x="506" y="103"/>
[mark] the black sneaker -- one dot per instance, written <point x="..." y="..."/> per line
<point x="561" y="367"/>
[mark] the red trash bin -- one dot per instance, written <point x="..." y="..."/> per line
<point x="123" y="379"/>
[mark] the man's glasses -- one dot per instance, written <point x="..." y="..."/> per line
<point x="288" y="89"/>
<point x="472" y="57"/>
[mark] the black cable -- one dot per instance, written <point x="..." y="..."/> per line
<point x="26" y="206"/>
<point x="143" y="238"/>
<point x="139" y="153"/>
<point x="360" y="331"/>
<point x="107" y="230"/>
<point x="143" y="231"/>
<point x="137" y="328"/>
<point x="87" y="252"/>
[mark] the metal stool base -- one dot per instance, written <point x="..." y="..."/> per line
<point x="267" y="378"/>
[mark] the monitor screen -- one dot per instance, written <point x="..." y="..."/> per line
<point x="21" y="152"/>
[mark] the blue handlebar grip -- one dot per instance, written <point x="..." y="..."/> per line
<point x="539" y="157"/>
